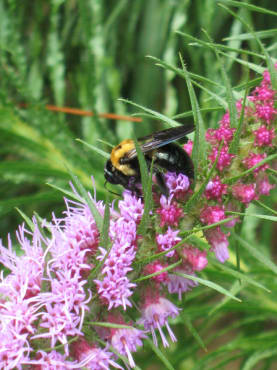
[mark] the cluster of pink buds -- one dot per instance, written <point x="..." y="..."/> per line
<point x="71" y="289"/>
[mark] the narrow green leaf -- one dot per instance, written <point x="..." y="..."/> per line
<point x="146" y="180"/>
<point x="193" y="331"/>
<point x="158" y="115"/>
<point x="249" y="36"/>
<point x="199" y="146"/>
<point x="100" y="141"/>
<point x="104" y="235"/>
<point x="95" y="149"/>
<point x="27" y="219"/>
<point x="236" y="287"/>
<point x="206" y="227"/>
<point x="91" y="203"/>
<point x="257" y="356"/>
<point x="229" y="92"/>
<point x="269" y="62"/>
<point x="211" y="45"/>
<point x="202" y="110"/>
<point x="68" y="193"/>
<point x="259" y="256"/>
<point x="263" y="217"/>
<point x="240" y="276"/>
<point x="249" y="6"/>
<point x="259" y="203"/>
<point x="168" y="268"/>
<point x="209" y="284"/>
<point x="109" y="325"/>
<point x="180" y="72"/>
<point x="234" y="146"/>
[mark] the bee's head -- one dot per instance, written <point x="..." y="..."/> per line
<point x="110" y="173"/>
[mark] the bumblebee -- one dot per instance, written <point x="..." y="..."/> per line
<point x="123" y="166"/>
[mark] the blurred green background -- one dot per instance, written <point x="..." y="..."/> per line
<point x="89" y="53"/>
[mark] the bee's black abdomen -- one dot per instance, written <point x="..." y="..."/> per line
<point x="173" y="158"/>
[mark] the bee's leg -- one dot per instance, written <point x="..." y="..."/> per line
<point x="161" y="183"/>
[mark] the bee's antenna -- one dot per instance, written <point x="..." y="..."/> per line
<point x="112" y="192"/>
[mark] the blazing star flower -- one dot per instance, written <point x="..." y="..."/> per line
<point x="169" y="212"/>
<point x="177" y="185"/>
<point x="92" y="357"/>
<point x="51" y="361"/>
<point x="180" y="284"/>
<point x="223" y="133"/>
<point x="215" y="189"/>
<point x="156" y="311"/>
<point x="15" y="348"/>
<point x="167" y="241"/>
<point x="27" y="269"/>
<point x="126" y="340"/>
<point x="224" y="159"/>
<point x="264" y="136"/>
<point x="115" y="288"/>
<point x="266" y="112"/>
<point x="131" y="208"/>
<point x="263" y="93"/>
<point x="80" y="226"/>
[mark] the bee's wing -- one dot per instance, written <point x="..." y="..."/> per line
<point x="160" y="138"/>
